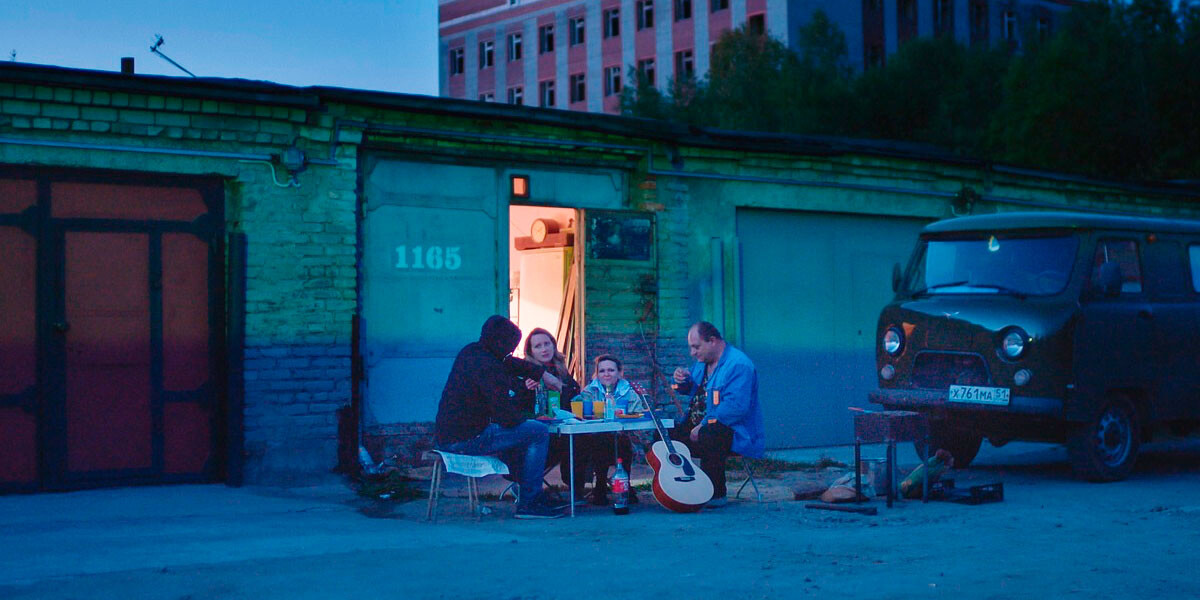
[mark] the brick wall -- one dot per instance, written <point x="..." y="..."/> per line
<point x="301" y="276"/>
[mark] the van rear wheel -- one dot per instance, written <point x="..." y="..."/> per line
<point x="962" y="445"/>
<point x="1105" y="447"/>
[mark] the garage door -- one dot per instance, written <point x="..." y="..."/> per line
<point x="110" y="296"/>
<point x="431" y="271"/>
<point x="812" y="286"/>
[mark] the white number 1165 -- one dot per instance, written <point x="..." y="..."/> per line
<point x="432" y="257"/>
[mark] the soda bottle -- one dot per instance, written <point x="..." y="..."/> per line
<point x="610" y="406"/>
<point x="620" y="490"/>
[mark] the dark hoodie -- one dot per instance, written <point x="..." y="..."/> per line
<point x="485" y="384"/>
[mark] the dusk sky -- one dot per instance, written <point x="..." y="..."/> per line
<point x="387" y="45"/>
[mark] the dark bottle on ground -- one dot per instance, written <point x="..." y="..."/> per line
<point x="620" y="490"/>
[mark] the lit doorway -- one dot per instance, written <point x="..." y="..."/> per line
<point x="544" y="277"/>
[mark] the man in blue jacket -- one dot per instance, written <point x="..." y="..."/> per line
<point x="726" y="416"/>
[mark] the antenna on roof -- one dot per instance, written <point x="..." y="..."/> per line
<point x="158" y="41"/>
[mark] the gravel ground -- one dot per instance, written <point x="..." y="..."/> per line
<point x="1051" y="537"/>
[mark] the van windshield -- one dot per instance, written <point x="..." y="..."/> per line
<point x="1017" y="266"/>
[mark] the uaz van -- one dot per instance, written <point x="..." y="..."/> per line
<point x="1081" y="329"/>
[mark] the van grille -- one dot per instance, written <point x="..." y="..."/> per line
<point x="940" y="370"/>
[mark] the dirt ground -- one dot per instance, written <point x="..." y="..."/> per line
<point x="1051" y="537"/>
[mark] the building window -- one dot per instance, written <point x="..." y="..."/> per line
<point x="1010" y="27"/>
<point x="612" y="23"/>
<point x="1043" y="27"/>
<point x="487" y="97"/>
<point x="977" y="15"/>
<point x="645" y="14"/>
<point x="685" y="67"/>
<point x="906" y="20"/>
<point x="874" y="55"/>
<point x="757" y="24"/>
<point x="612" y="80"/>
<point x="683" y="9"/>
<point x="575" y="31"/>
<point x="456" y="61"/>
<point x="717" y="5"/>
<point x="516" y="95"/>
<point x="486" y="53"/>
<point x="943" y="17"/>
<point x="546" y="93"/>
<point x="514" y="47"/>
<point x="645" y="68"/>
<point x="545" y="39"/>
<point x="578" y="88"/>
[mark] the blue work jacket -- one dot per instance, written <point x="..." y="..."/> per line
<point x="736" y="380"/>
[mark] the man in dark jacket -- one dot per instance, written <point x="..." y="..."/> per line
<point x="480" y="412"/>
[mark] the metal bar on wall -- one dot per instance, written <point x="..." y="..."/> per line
<point x="717" y="250"/>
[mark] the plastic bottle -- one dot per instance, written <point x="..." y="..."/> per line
<point x="610" y="406"/>
<point x="620" y="490"/>
<point x="541" y="399"/>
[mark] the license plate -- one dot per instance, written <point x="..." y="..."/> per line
<point x="979" y="395"/>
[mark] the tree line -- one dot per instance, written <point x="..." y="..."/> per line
<point x="1112" y="92"/>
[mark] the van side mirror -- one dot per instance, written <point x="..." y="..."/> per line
<point x="895" y="277"/>
<point x="1109" y="279"/>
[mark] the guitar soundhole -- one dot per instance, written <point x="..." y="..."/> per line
<point x="676" y="460"/>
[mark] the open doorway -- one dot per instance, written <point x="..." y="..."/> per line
<point x="543" y="276"/>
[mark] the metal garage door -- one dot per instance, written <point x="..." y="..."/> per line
<point x="812" y="285"/>
<point x="109" y="293"/>
<point x="432" y="238"/>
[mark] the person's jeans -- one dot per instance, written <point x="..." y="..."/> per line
<point x="530" y="440"/>
<point x="713" y="448"/>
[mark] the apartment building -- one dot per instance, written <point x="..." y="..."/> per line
<point x="577" y="54"/>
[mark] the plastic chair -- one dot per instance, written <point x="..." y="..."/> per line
<point x="471" y="467"/>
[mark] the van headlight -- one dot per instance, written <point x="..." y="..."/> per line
<point x="1013" y="343"/>
<point x="893" y="341"/>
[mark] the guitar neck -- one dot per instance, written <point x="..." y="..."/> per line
<point x="662" y="433"/>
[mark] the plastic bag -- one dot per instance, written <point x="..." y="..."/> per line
<point x="933" y="468"/>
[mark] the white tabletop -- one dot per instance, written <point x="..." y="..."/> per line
<point x="604" y="426"/>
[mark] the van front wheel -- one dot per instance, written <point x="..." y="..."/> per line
<point x="1105" y="447"/>
<point x="962" y="445"/>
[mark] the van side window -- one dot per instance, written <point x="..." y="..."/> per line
<point x="1125" y="254"/>
<point x="1194" y="254"/>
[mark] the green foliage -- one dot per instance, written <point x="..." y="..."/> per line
<point x="1111" y="93"/>
<point x="770" y="468"/>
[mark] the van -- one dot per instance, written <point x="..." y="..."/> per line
<point x="1072" y="328"/>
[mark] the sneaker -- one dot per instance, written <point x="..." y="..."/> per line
<point x="553" y="500"/>
<point x="537" y="510"/>
<point x="717" y="502"/>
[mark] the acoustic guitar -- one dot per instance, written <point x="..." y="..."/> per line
<point x="679" y="485"/>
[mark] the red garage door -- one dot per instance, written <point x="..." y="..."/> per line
<point x="107" y="375"/>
